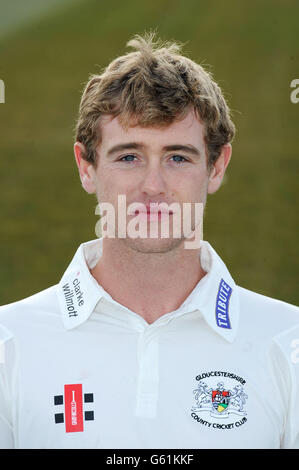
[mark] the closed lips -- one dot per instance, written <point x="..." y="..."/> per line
<point x="150" y="210"/>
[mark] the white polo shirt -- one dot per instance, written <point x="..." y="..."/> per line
<point x="79" y="370"/>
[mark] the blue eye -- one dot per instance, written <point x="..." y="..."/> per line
<point x="129" y="158"/>
<point x="178" y="158"/>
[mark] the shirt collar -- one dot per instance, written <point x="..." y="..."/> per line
<point x="215" y="296"/>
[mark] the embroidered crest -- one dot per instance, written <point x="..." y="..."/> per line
<point x="218" y="400"/>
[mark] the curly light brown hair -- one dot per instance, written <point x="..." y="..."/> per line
<point x="153" y="86"/>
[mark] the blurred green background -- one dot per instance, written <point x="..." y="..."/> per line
<point x="47" y="51"/>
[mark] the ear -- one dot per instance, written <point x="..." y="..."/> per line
<point x="219" y="167"/>
<point x="86" y="169"/>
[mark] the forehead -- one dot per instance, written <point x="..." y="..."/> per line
<point x="188" y="130"/>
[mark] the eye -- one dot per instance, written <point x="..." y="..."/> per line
<point x="179" y="159"/>
<point x="127" y="158"/>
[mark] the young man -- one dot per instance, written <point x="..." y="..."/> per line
<point x="145" y="342"/>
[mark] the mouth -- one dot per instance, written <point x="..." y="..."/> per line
<point x="153" y="212"/>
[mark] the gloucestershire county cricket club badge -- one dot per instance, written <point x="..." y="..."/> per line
<point x="221" y="396"/>
<point x="220" y="400"/>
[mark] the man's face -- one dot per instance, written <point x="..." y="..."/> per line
<point x="152" y="165"/>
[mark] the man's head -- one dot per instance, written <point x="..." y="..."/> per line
<point x="153" y="87"/>
<point x="155" y="128"/>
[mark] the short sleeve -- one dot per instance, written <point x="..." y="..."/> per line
<point x="8" y="371"/>
<point x="285" y="360"/>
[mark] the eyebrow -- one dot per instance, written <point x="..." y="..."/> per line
<point x="137" y="146"/>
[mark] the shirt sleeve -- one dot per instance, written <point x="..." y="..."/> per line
<point x="285" y="360"/>
<point x="7" y="389"/>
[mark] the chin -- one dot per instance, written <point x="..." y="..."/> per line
<point x="153" y="245"/>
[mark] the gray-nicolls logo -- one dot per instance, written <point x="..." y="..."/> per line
<point x="73" y="296"/>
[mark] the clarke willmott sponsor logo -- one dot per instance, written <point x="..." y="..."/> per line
<point x="220" y="400"/>
<point x="73" y="296"/>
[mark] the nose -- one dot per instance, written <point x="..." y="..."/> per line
<point x="153" y="182"/>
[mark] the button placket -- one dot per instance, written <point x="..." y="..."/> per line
<point x="148" y="374"/>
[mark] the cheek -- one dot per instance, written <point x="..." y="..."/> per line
<point x="109" y="185"/>
<point x="193" y="188"/>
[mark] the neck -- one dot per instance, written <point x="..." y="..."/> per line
<point x="150" y="284"/>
